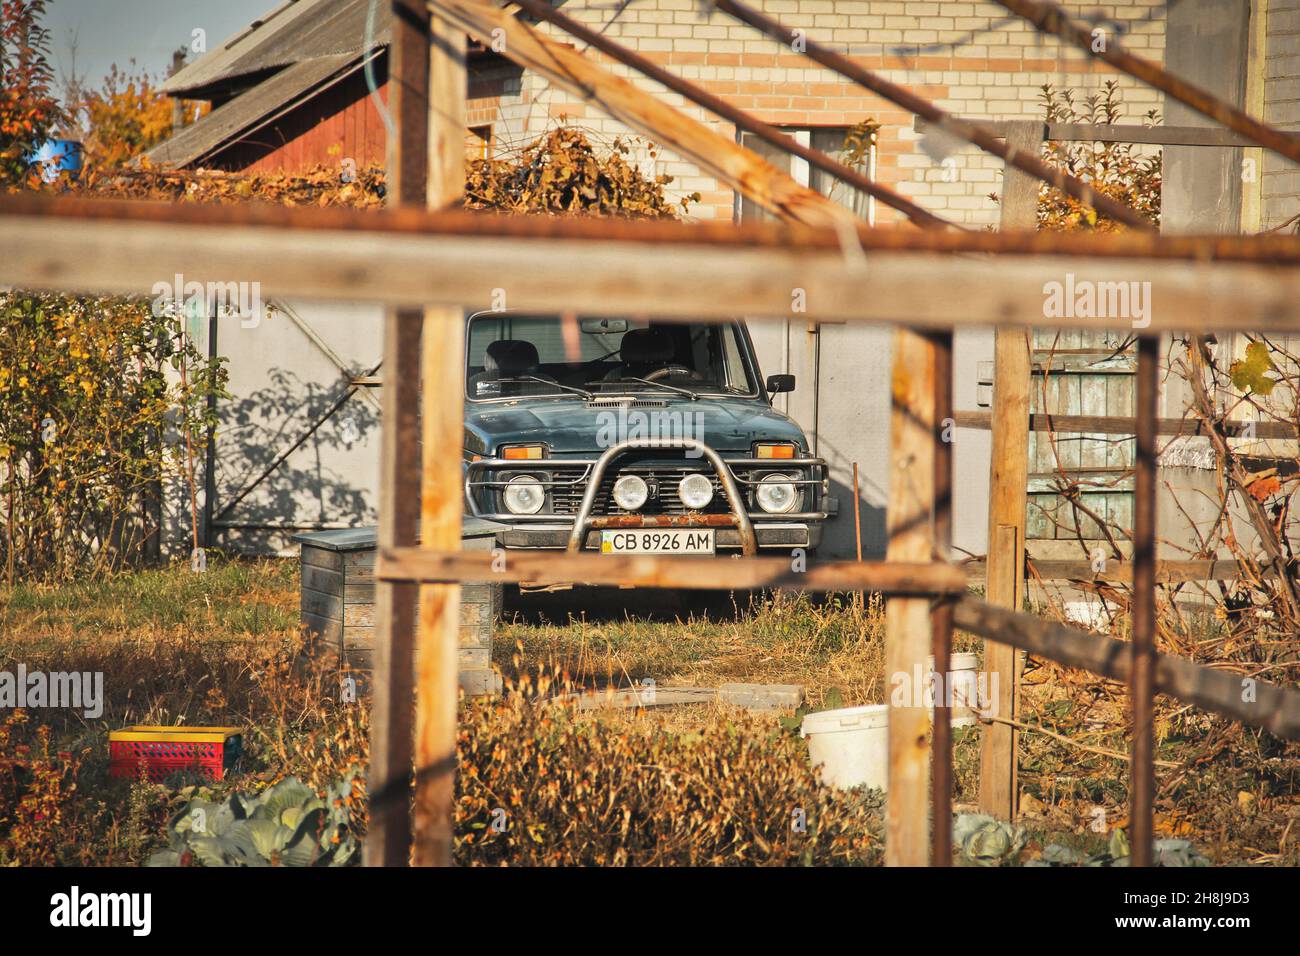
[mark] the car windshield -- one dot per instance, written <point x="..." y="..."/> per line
<point x="511" y="355"/>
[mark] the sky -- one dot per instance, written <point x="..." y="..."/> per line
<point x="117" y="31"/>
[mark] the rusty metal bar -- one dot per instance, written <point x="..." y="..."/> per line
<point x="742" y="120"/>
<point x="1050" y="18"/>
<point x="922" y="107"/>
<point x="1142" y="679"/>
<point x="1265" y="249"/>
<point x="941" y="614"/>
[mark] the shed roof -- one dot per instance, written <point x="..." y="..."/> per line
<point x="295" y="32"/>
<point x="253" y="109"/>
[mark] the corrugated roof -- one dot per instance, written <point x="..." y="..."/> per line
<point x="296" y="31"/>
<point x="249" y="110"/>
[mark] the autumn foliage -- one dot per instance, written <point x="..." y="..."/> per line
<point x="28" y="107"/>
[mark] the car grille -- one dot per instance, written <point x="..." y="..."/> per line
<point x="567" y="499"/>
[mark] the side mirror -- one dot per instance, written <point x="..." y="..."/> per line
<point x="780" y="383"/>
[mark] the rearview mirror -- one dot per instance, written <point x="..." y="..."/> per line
<point x="780" y="383"/>
<point x="603" y="326"/>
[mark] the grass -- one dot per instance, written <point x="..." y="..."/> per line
<point x="224" y="647"/>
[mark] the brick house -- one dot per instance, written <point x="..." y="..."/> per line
<point x="292" y="91"/>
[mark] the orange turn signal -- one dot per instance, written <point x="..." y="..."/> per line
<point x="522" y="452"/>
<point x="774" y="451"/>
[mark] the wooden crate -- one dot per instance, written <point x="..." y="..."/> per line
<point x="338" y="600"/>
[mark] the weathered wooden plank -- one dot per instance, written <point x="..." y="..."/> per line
<point x="324" y="580"/>
<point x="892" y="577"/>
<point x="321" y="558"/>
<point x="913" y="435"/>
<point x="1008" y="484"/>
<point x="710" y="283"/>
<point x="321" y="604"/>
<point x="442" y="400"/>
<point x="1126" y="424"/>
<point x="1253" y="702"/>
<point x="584" y="77"/>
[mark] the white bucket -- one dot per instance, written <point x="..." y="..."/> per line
<point x="850" y="747"/>
<point x="961" y="684"/>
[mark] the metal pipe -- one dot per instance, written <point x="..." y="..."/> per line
<point x="1142" y="679"/>
<point x="845" y="67"/>
<point x="748" y="540"/>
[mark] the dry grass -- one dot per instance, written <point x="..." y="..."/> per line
<point x="223" y="647"/>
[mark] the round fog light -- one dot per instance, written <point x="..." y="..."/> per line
<point x="776" y="494"/>
<point x="695" y="491"/>
<point x="630" y="492"/>
<point x="524" y="495"/>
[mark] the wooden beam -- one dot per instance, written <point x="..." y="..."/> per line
<point x="1025" y="161"/>
<point x="542" y="567"/>
<point x="1118" y="133"/>
<point x="701" y="281"/>
<point x="542" y="10"/>
<point x="1050" y="18"/>
<point x="640" y="110"/>
<point x="1232" y="695"/>
<point x="1142" y="780"/>
<point x="1008" y="481"/>
<point x="392" y="747"/>
<point x="1119" y="425"/>
<point x="442" y="405"/>
<point x="941" y="764"/>
<point x="1121" y="572"/>
<point x="913" y="434"/>
<point x="787" y="236"/>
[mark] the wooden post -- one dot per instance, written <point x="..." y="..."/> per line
<point x="941" y="614"/>
<point x="1008" y="484"/>
<point x="1142" y="682"/>
<point x="907" y="620"/>
<point x="442" y="417"/>
<point x="388" y="842"/>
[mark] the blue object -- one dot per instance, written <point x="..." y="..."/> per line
<point x="57" y="156"/>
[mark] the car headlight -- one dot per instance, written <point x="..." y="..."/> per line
<point x="524" y="495"/>
<point x="695" y="491"/>
<point x="777" y="494"/>
<point x="631" y="492"/>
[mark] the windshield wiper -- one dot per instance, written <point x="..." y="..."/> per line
<point x="672" y="388"/>
<point x="546" y="381"/>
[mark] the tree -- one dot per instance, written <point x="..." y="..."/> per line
<point x="124" y="117"/>
<point x="28" y="106"/>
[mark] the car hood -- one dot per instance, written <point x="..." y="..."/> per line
<point x="572" y="426"/>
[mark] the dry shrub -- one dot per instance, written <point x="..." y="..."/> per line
<point x="565" y="789"/>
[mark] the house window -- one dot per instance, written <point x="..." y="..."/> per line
<point x="478" y="142"/>
<point x="834" y="141"/>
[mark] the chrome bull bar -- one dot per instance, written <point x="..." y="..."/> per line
<point x="583" y="521"/>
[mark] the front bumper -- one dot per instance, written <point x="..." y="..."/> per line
<point x="742" y="527"/>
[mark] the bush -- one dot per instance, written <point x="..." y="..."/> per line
<point x="89" y="426"/>
<point x="541" y="784"/>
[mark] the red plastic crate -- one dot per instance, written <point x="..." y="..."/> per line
<point x="207" y="752"/>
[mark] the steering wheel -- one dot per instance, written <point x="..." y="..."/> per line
<point x="670" y="369"/>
